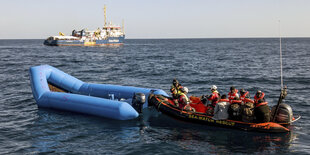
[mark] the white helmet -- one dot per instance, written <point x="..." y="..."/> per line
<point x="185" y="89"/>
<point x="213" y="87"/>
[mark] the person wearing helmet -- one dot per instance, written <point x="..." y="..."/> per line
<point x="183" y="99"/>
<point x="261" y="110"/>
<point x="214" y="97"/>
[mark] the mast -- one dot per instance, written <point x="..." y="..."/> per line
<point x="283" y="89"/>
<point x="105" y="15"/>
<point x="281" y="56"/>
<point x="123" y="26"/>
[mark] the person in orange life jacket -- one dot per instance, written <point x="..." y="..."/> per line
<point x="261" y="110"/>
<point x="245" y="97"/>
<point x="233" y="95"/>
<point x="214" y="97"/>
<point x="247" y="106"/>
<point x="234" y="108"/>
<point x="221" y="109"/>
<point x="183" y="99"/>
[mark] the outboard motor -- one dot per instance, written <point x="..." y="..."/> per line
<point x="284" y="114"/>
<point x="137" y="101"/>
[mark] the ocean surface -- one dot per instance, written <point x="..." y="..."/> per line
<point x="251" y="64"/>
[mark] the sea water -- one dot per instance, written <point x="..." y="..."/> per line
<point x="252" y="64"/>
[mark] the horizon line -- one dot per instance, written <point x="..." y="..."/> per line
<point x="171" y="38"/>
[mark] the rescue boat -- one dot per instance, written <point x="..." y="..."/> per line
<point x="166" y="106"/>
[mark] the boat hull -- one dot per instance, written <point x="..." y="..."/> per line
<point x="163" y="105"/>
<point x="111" y="41"/>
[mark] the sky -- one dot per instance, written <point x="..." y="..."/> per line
<point x="146" y="19"/>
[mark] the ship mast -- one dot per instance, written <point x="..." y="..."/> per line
<point x="123" y="26"/>
<point x="105" y="15"/>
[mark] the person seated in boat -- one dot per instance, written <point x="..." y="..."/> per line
<point x="234" y="108"/>
<point x="175" y="90"/>
<point x="245" y="97"/>
<point x="213" y="98"/>
<point x="261" y="110"/>
<point x="183" y="99"/>
<point x="221" y="109"/>
<point x="247" y="106"/>
<point x="233" y="95"/>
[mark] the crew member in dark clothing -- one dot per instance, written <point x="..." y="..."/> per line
<point x="175" y="90"/>
<point x="261" y="110"/>
<point x="247" y="106"/>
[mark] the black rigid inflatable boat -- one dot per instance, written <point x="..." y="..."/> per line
<point x="166" y="106"/>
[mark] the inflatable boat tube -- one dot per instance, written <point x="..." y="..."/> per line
<point x="95" y="99"/>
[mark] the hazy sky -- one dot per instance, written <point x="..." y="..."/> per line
<point x="38" y="19"/>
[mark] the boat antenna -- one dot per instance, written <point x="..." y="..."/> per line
<point x="105" y="15"/>
<point x="281" y="56"/>
<point x="283" y="89"/>
<point x="123" y="26"/>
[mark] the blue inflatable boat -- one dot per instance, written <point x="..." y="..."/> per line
<point x="53" y="88"/>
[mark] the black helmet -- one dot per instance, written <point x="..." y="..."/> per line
<point x="175" y="81"/>
<point x="242" y="91"/>
<point x="232" y="88"/>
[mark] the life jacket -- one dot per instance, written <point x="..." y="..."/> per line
<point x="224" y="100"/>
<point x="214" y="98"/>
<point x="189" y="108"/>
<point x="231" y="96"/>
<point x="260" y="104"/>
<point x="244" y="99"/>
<point x="175" y="90"/>
<point x="235" y="101"/>
<point x="256" y="99"/>
<point x="182" y="96"/>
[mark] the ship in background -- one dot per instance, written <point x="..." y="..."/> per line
<point x="109" y="34"/>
